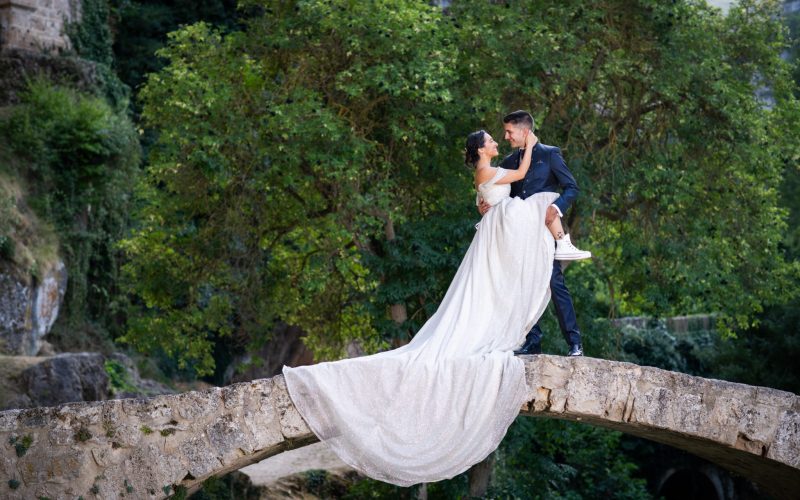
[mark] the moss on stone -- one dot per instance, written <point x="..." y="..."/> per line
<point x="108" y="426"/>
<point x="21" y="444"/>
<point x="83" y="435"/>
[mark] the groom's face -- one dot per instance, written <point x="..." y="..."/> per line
<point x="515" y="134"/>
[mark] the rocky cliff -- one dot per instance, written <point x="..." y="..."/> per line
<point x="29" y="307"/>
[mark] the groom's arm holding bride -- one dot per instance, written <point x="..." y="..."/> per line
<point x="569" y="188"/>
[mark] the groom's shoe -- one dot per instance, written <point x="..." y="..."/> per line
<point x="529" y="347"/>
<point x="575" y="350"/>
<point x="565" y="250"/>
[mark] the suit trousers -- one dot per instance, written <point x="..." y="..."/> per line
<point x="565" y="310"/>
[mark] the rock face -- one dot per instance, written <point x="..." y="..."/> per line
<point x="146" y="448"/>
<point x="71" y="377"/>
<point x="17" y="67"/>
<point x="66" y="378"/>
<point x="37" y="24"/>
<point x="28" y="311"/>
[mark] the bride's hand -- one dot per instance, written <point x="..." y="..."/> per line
<point x="531" y="139"/>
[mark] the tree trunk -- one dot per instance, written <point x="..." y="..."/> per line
<point x="480" y="475"/>
<point x="398" y="311"/>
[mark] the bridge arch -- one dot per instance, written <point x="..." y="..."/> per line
<point x="147" y="448"/>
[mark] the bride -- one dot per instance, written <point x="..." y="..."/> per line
<point x="434" y="407"/>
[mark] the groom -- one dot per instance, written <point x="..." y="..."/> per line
<point x="547" y="173"/>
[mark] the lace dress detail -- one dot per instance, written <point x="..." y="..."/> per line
<point x="434" y="407"/>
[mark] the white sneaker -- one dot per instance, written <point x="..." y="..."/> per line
<point x="565" y="250"/>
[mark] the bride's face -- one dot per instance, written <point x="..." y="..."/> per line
<point x="489" y="148"/>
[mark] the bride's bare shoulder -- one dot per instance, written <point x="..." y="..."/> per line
<point x="484" y="174"/>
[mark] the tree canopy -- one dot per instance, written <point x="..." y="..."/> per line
<point x="308" y="167"/>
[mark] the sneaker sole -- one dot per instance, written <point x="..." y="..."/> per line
<point x="573" y="257"/>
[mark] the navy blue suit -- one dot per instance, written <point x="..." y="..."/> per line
<point x="549" y="173"/>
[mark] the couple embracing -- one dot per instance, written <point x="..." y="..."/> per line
<point x="534" y="168"/>
<point x="432" y="408"/>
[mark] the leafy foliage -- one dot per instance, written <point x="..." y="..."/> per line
<point x="141" y="28"/>
<point x="655" y="106"/>
<point x="92" y="39"/>
<point x="80" y="159"/>
<point x="266" y="223"/>
<point x="557" y="459"/>
<point x="289" y="151"/>
<point x="118" y="377"/>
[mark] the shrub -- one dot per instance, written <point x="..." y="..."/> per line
<point x="80" y="159"/>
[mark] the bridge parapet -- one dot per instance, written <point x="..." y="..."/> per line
<point x="753" y="431"/>
<point x="147" y="448"/>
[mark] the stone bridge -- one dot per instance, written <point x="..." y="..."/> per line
<point x="152" y="448"/>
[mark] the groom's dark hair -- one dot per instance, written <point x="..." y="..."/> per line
<point x="519" y="118"/>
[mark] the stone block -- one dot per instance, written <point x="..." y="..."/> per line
<point x="292" y="424"/>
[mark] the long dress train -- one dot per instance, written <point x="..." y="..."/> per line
<point x="429" y="410"/>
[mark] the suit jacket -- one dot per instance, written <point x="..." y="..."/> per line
<point x="548" y="173"/>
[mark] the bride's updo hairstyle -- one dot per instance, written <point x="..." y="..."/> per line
<point x="475" y="141"/>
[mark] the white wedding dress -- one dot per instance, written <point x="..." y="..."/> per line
<point x="430" y="409"/>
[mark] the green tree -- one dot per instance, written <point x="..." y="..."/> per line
<point x="141" y="27"/>
<point x="306" y="170"/>
<point x="284" y="153"/>
<point x="656" y="107"/>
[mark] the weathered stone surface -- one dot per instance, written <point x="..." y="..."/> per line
<point x="146" y="444"/>
<point x="753" y="431"/>
<point x="675" y="324"/>
<point x="28" y="311"/>
<point x="142" y="447"/>
<point x="37" y="24"/>
<point x="14" y="314"/>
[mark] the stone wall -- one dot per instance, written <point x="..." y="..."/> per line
<point x="37" y="25"/>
